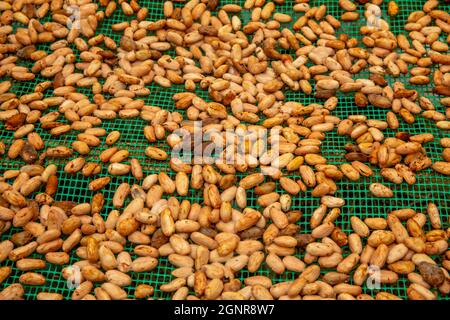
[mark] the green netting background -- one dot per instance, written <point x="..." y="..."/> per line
<point x="430" y="186"/>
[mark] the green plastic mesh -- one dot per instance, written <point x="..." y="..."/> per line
<point x="430" y="186"/>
